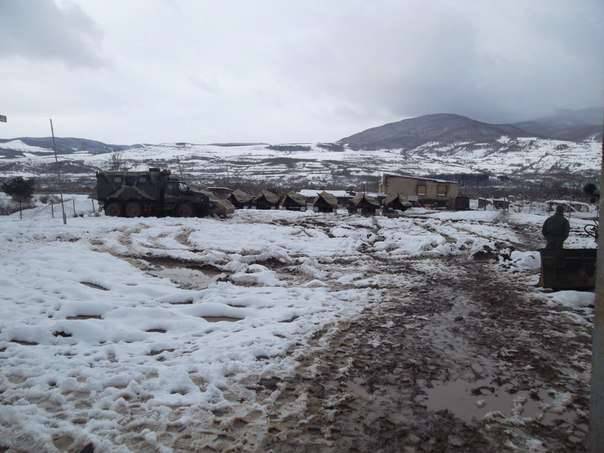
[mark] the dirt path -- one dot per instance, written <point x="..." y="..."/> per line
<point x="456" y="355"/>
<point x="419" y="371"/>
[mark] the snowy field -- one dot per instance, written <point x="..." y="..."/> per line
<point x="319" y="165"/>
<point x="128" y="333"/>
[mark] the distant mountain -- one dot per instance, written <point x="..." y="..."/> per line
<point x="428" y="131"/>
<point x="439" y="127"/>
<point x="65" y="145"/>
<point x="572" y="125"/>
<point x="446" y="128"/>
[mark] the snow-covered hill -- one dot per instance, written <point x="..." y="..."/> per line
<point x="510" y="156"/>
<point x="431" y="144"/>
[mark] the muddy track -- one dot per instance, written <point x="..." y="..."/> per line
<point x="369" y="388"/>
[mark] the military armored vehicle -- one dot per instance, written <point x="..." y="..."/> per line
<point x="155" y="193"/>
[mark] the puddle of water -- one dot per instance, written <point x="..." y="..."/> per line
<point x="473" y="400"/>
<point x="221" y="318"/>
<point x="159" y="351"/>
<point x="94" y="285"/>
<point x="61" y="333"/>
<point x="182" y="302"/>
<point x="358" y="390"/>
<point x="292" y="319"/>
<point x="25" y="343"/>
<point x="82" y="317"/>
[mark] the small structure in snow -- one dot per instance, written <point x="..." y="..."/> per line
<point x="396" y="202"/>
<point x="240" y="199"/>
<point x="344" y="197"/>
<point x="220" y="192"/>
<point x="293" y="201"/>
<point x="429" y="191"/>
<point x="365" y="204"/>
<point x="569" y="206"/>
<point x="325" y="202"/>
<point x="497" y="203"/>
<point x="266" y="200"/>
<point x="462" y="203"/>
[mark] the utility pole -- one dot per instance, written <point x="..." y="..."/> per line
<point x="597" y="350"/>
<point x="54" y="148"/>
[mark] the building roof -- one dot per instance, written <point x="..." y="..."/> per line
<point x="296" y="198"/>
<point x="329" y="198"/>
<point x="269" y="196"/>
<point x="311" y="193"/>
<point x="240" y="196"/>
<point x="418" y="178"/>
<point x="362" y="198"/>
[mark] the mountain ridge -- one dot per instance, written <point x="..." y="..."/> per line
<point x="409" y="133"/>
<point x="448" y="128"/>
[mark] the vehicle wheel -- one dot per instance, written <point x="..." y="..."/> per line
<point x="133" y="209"/>
<point x="113" y="209"/>
<point x="185" y="210"/>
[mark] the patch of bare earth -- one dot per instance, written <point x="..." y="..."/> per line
<point x="459" y="358"/>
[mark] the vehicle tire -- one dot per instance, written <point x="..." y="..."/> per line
<point x="133" y="209"/>
<point x="113" y="209"/>
<point x="185" y="210"/>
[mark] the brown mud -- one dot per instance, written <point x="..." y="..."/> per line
<point x="420" y="371"/>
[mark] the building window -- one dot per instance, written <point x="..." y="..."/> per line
<point x="441" y="190"/>
<point x="421" y="190"/>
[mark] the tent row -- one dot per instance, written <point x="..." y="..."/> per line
<point x="322" y="202"/>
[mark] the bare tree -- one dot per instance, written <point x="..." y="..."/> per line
<point x="117" y="161"/>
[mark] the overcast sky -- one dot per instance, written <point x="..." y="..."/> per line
<point x="128" y="71"/>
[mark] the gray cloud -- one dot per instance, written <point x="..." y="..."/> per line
<point x="497" y="61"/>
<point x="292" y="71"/>
<point x="41" y="30"/>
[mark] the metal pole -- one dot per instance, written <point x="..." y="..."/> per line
<point x="54" y="148"/>
<point x="597" y="357"/>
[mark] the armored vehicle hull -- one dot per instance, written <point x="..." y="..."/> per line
<point x="154" y="193"/>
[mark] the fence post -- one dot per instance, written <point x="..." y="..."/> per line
<point x="52" y="209"/>
<point x="92" y="202"/>
<point x="75" y="214"/>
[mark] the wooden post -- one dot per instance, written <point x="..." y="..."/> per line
<point x="20" y="211"/>
<point x="92" y="202"/>
<point x="54" y="147"/>
<point x="75" y="214"/>
<point x="52" y="209"/>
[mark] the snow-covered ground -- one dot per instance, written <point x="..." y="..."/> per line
<point x="118" y="331"/>
<point x="320" y="165"/>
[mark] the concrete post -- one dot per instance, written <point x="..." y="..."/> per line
<point x="597" y="369"/>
